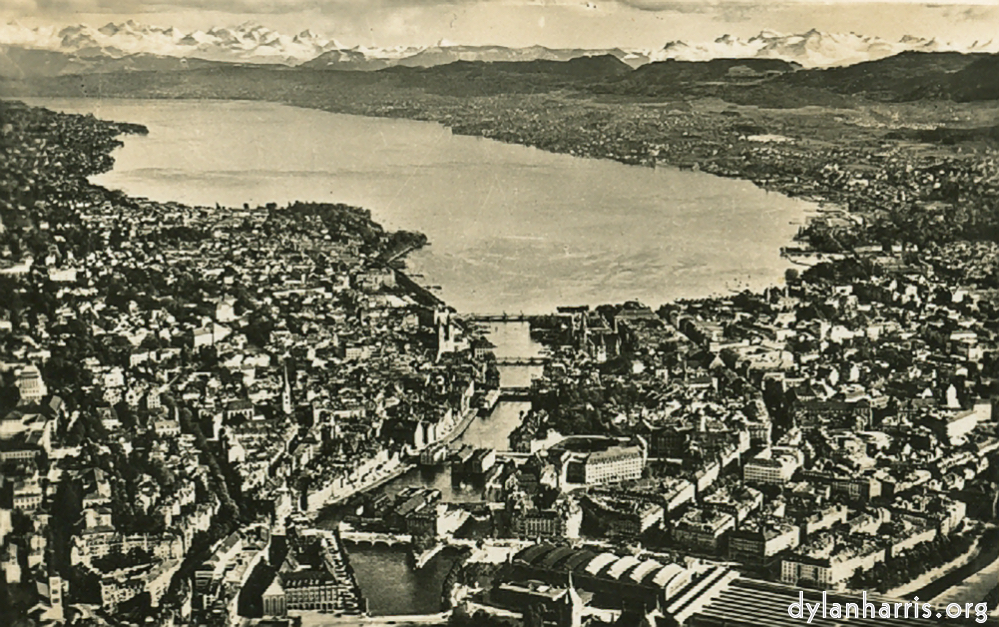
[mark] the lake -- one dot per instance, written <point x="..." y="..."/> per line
<point x="512" y="228"/>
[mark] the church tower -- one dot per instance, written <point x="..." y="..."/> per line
<point x="445" y="332"/>
<point x="286" y="405"/>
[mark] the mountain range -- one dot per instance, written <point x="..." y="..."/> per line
<point x="248" y="42"/>
<point x="52" y="51"/>
<point x="813" y="49"/>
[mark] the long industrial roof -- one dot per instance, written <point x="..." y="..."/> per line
<point x="646" y="572"/>
<point x="666" y="574"/>
<point x="621" y="566"/>
<point x="643" y="569"/>
<point x="553" y="557"/>
<point x="532" y="553"/>
<point x="579" y="560"/>
<point x="599" y="562"/>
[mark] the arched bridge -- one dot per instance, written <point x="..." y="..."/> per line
<point x="501" y="317"/>
<point x="521" y="361"/>
<point x="375" y="539"/>
<point x="515" y="393"/>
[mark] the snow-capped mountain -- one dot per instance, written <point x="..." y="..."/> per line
<point x="249" y="42"/>
<point x="87" y="46"/>
<point x="811" y="49"/>
<point x="352" y="59"/>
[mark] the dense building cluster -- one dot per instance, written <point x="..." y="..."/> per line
<point x="836" y="433"/>
<point x="178" y="380"/>
<point x="813" y="432"/>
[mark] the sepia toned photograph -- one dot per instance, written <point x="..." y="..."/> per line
<point x="499" y="313"/>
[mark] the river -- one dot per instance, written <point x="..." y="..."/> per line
<point x="512" y="229"/>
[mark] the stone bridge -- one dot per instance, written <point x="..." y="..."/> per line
<point x="362" y="538"/>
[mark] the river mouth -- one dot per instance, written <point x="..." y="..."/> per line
<point x="512" y="228"/>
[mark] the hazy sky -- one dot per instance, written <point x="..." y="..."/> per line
<point x="585" y="23"/>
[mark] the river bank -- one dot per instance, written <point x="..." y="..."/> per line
<point x="399" y="471"/>
<point x="936" y="574"/>
<point x="980" y="575"/>
<point x="950" y="584"/>
<point x="975" y="587"/>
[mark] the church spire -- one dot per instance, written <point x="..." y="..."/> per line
<point x="571" y="613"/>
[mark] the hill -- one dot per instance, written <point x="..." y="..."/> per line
<point x="979" y="80"/>
<point x="579" y="68"/>
<point x="672" y="71"/>
<point x="481" y="78"/>
<point x="770" y="83"/>
<point x="903" y="77"/>
<point x="25" y="63"/>
<point x="717" y="77"/>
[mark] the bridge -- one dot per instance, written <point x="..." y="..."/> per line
<point x="375" y="539"/>
<point x="515" y="393"/>
<point x="502" y="317"/>
<point x="521" y="361"/>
